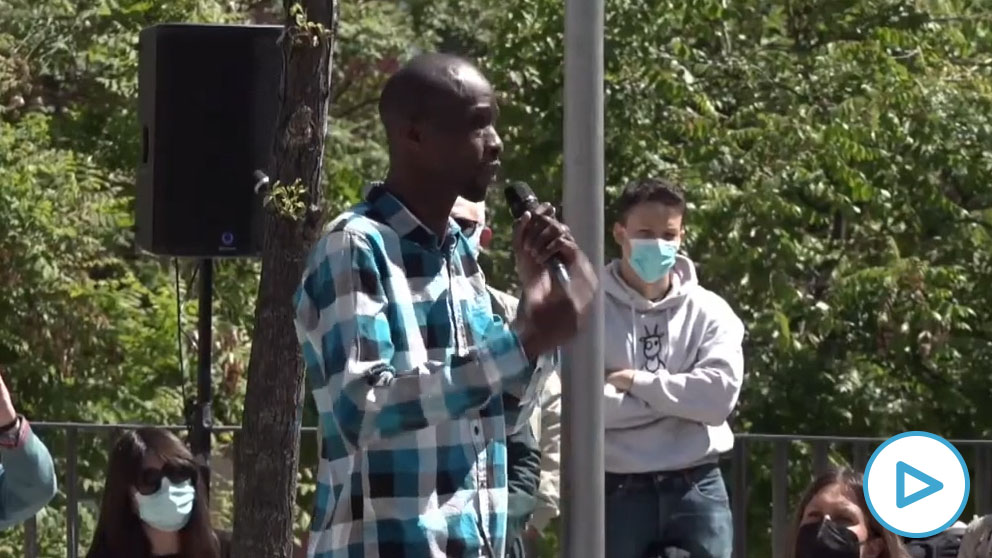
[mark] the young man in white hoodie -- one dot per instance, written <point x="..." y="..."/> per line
<point x="674" y="369"/>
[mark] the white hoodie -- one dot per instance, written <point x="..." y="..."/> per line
<point x="686" y="351"/>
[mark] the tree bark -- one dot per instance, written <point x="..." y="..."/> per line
<point x="268" y="449"/>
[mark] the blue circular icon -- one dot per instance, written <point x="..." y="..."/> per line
<point x="227" y="238"/>
<point x="908" y="455"/>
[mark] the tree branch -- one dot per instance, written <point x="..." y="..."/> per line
<point x="348" y="111"/>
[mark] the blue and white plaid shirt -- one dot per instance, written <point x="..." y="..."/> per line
<point x="407" y="364"/>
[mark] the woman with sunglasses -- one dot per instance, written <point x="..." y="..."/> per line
<point x="154" y="502"/>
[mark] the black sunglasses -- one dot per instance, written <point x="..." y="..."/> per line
<point x="150" y="480"/>
<point x="467" y="226"/>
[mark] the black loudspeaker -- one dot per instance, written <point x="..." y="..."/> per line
<point x="208" y="100"/>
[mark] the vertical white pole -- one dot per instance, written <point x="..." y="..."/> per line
<point x="583" y="512"/>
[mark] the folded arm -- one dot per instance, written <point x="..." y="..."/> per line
<point x="622" y="410"/>
<point x="707" y="393"/>
<point x="343" y="323"/>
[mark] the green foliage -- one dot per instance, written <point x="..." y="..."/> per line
<point x="87" y="325"/>
<point x="373" y="38"/>
<point x="304" y="31"/>
<point x="287" y="200"/>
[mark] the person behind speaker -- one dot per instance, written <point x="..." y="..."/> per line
<point x="674" y="366"/>
<point x="27" y="474"/>
<point x="404" y="356"/>
<point x="533" y="426"/>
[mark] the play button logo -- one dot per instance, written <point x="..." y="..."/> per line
<point x="930" y="484"/>
<point x="916" y="484"/>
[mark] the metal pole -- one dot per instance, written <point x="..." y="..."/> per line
<point x="583" y="475"/>
<point x="203" y="417"/>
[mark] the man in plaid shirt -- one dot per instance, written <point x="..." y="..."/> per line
<point x="406" y="360"/>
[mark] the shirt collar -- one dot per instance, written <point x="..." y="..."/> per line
<point x="393" y="213"/>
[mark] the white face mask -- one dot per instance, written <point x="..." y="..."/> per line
<point x="169" y="508"/>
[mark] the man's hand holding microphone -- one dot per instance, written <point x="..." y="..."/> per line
<point x="559" y="283"/>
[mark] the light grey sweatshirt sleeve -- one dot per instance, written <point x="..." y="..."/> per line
<point x="623" y="410"/>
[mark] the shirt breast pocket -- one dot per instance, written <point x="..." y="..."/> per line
<point x="481" y="323"/>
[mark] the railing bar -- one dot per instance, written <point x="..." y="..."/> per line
<point x="980" y="484"/>
<point x="87" y="427"/>
<point x="84" y="427"/>
<point x="780" y="499"/>
<point x="985" y="472"/>
<point x="821" y="457"/>
<point x="72" y="496"/>
<point x="112" y="435"/>
<point x="839" y="439"/>
<point x="739" y="498"/>
<point x="861" y="455"/>
<point x="976" y="480"/>
<point x="31" y="538"/>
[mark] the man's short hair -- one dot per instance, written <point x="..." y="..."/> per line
<point x="647" y="190"/>
<point x="418" y="88"/>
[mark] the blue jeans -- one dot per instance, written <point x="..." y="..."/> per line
<point x="689" y="510"/>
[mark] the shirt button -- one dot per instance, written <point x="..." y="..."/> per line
<point x="476" y="429"/>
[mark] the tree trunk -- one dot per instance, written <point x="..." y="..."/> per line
<point x="268" y="448"/>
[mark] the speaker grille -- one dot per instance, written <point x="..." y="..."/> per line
<point x="214" y="101"/>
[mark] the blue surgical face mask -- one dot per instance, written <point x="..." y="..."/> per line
<point x="169" y="508"/>
<point x="475" y="240"/>
<point x="652" y="258"/>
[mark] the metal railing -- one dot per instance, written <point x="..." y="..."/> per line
<point x="815" y="453"/>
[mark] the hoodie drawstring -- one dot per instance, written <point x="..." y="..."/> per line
<point x="633" y="329"/>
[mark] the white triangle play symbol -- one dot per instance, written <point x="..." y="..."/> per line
<point x="904" y="497"/>
<point x="914" y="485"/>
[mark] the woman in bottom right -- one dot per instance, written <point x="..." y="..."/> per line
<point x="833" y="521"/>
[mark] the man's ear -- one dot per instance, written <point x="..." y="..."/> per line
<point x="618" y="234"/>
<point x="411" y="133"/>
<point x="486" y="238"/>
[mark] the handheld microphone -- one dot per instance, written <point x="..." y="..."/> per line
<point x="520" y="198"/>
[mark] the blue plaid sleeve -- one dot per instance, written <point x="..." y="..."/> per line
<point x="343" y="324"/>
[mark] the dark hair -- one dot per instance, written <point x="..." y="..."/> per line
<point x="119" y="532"/>
<point x="852" y="482"/>
<point x="650" y="190"/>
